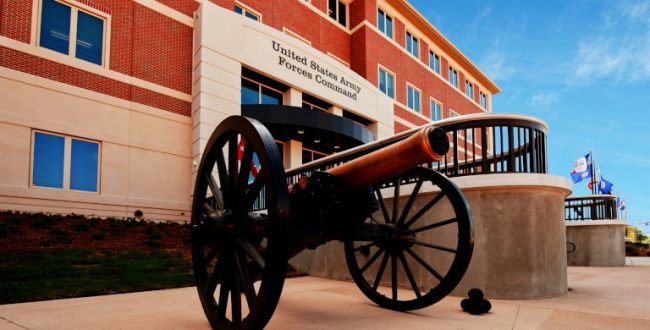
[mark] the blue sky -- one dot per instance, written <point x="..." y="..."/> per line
<point x="582" y="66"/>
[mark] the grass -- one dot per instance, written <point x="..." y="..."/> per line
<point x="36" y="275"/>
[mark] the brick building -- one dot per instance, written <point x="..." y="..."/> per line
<point x="106" y="105"/>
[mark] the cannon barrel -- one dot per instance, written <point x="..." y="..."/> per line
<point x="428" y="144"/>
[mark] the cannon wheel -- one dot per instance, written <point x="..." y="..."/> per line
<point x="239" y="226"/>
<point x="427" y="248"/>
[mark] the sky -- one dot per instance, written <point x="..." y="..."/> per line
<point x="581" y="66"/>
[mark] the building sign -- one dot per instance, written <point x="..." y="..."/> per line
<point x="313" y="70"/>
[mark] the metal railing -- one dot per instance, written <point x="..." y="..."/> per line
<point x="480" y="144"/>
<point x="591" y="207"/>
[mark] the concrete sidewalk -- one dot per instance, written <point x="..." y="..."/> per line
<point x="599" y="298"/>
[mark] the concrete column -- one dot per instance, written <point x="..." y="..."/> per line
<point x="599" y="243"/>
<point x="292" y="154"/>
<point x="292" y="97"/>
<point x="336" y="111"/>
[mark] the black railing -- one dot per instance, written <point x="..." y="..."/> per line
<point x="480" y="144"/>
<point x="592" y="207"/>
<point x="494" y="144"/>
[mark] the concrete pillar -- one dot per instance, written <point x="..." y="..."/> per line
<point x="292" y="154"/>
<point x="599" y="243"/>
<point x="292" y="97"/>
<point x="335" y="111"/>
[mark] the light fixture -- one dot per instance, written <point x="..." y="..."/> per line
<point x="316" y="140"/>
<point x="301" y="131"/>
<point x="337" y="147"/>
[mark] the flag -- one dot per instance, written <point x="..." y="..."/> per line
<point x="581" y="169"/>
<point x="622" y="207"/>
<point x="618" y="201"/>
<point x="605" y="186"/>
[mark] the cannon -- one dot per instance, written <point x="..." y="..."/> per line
<point x="406" y="229"/>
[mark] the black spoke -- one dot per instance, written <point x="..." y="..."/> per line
<point x="393" y="275"/>
<point x="235" y="293"/>
<point x="431" y="226"/>
<point x="217" y="275"/>
<point x="253" y="253"/>
<point x="246" y="281"/>
<point x="232" y="167"/>
<point x="223" y="294"/>
<point x="398" y="183"/>
<point x="433" y="246"/>
<point x="425" y="265"/>
<point x="425" y="209"/>
<point x="410" y="202"/>
<point x="361" y="247"/>
<point x="409" y="274"/>
<point x="380" y="271"/>
<point x="214" y="188"/>
<point x="222" y="170"/>
<point x="371" y="260"/>
<point x="382" y="204"/>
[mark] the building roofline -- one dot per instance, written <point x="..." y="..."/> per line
<point x="424" y="25"/>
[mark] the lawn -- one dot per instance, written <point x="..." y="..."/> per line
<point x="50" y="256"/>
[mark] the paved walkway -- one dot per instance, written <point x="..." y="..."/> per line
<point x="600" y="298"/>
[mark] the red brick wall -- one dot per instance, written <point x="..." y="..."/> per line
<point x="162" y="50"/>
<point x="37" y="66"/>
<point x="15" y="19"/>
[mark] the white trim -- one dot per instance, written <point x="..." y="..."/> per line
<point x="506" y="181"/>
<point x="431" y="100"/>
<point x="381" y="67"/>
<point x="413" y="36"/>
<point x="167" y="11"/>
<point x="338" y="59"/>
<point x="45" y="53"/>
<point x="392" y="21"/>
<point x="405" y="122"/>
<point x="589" y="222"/>
<point x="295" y="35"/>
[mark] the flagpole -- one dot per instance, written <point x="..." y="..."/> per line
<point x="594" y="189"/>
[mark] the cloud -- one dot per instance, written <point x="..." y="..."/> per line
<point x="544" y="99"/>
<point x="621" y="52"/>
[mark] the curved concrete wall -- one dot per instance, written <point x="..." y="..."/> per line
<point x="520" y="242"/>
<point x="520" y="239"/>
<point x="598" y="243"/>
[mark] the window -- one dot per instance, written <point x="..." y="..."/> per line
<point x="246" y="12"/>
<point x="387" y="82"/>
<point x="483" y="100"/>
<point x="434" y="62"/>
<point x="253" y="92"/>
<point x="314" y="103"/>
<point x="64" y="162"/>
<point x="453" y="76"/>
<point x="412" y="44"/>
<point x="469" y="89"/>
<point x="311" y="155"/>
<point x="385" y="23"/>
<point x="470" y="134"/>
<point x="68" y="30"/>
<point x="436" y="110"/>
<point x="413" y="98"/>
<point x="452" y="114"/>
<point x="337" y="10"/>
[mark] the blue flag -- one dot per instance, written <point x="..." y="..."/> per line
<point x="605" y="186"/>
<point x="581" y="169"/>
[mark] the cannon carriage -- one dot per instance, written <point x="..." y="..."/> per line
<point x="407" y="230"/>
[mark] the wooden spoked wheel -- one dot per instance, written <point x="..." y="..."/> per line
<point x="239" y="214"/>
<point x="427" y="246"/>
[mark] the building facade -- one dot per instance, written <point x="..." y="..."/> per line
<point x="107" y="105"/>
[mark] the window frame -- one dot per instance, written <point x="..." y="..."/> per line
<point x="415" y="51"/>
<point x="260" y="86"/>
<point x="337" y="12"/>
<point x="75" y="8"/>
<point x="436" y="60"/>
<point x="67" y="162"/>
<point x="453" y="72"/>
<point x="387" y="73"/>
<point x="247" y="10"/>
<point x="483" y="100"/>
<point x="392" y="20"/>
<point x="409" y="87"/>
<point x="469" y="92"/>
<point x="433" y="101"/>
